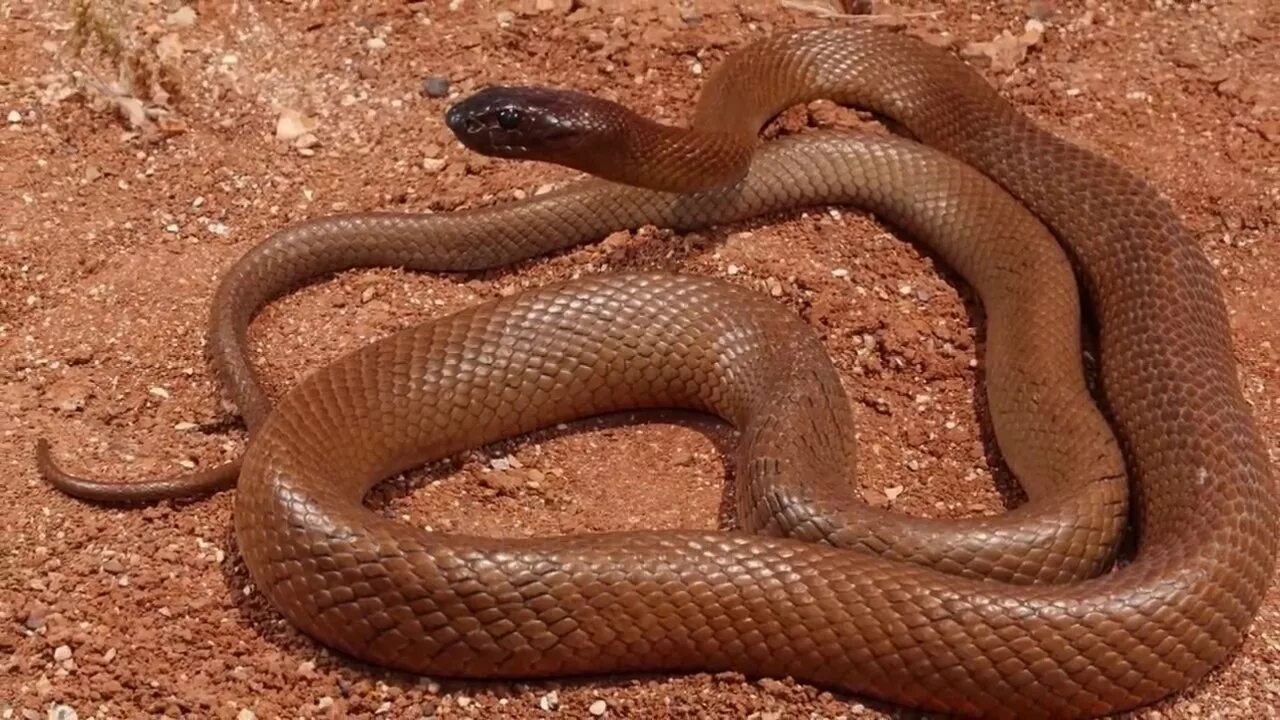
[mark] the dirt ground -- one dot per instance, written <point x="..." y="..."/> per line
<point x="122" y="202"/>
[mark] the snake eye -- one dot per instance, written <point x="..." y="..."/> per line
<point x="508" y="118"/>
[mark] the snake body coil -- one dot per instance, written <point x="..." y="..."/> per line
<point x="914" y="625"/>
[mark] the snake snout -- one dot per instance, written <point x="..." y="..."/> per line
<point x="460" y="121"/>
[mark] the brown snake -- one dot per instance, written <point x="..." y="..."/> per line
<point x="916" y="625"/>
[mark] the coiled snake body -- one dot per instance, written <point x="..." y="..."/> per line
<point x="1002" y="617"/>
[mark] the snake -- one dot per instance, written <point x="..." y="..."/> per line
<point x="809" y="587"/>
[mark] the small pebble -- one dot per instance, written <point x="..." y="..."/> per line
<point x="36" y="615"/>
<point x="113" y="566"/>
<point x="246" y="714"/>
<point x="63" y="652"/>
<point x="15" y="117"/>
<point x="183" y="17"/>
<point x="63" y="712"/>
<point x="324" y="703"/>
<point x="597" y="708"/>
<point x="436" y="86"/>
<point x="1040" y="9"/>
<point x="550" y="701"/>
<point x="505" y="18"/>
<point x="159" y="392"/>
<point x="840" y="273"/>
<point x="375" y="43"/>
<point x="433" y="165"/>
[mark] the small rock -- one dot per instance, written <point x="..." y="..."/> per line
<point x="503" y="481"/>
<point x="1006" y="51"/>
<point x="246" y="714"/>
<point x="550" y="701"/>
<point x="183" y="17"/>
<point x="15" y="117"/>
<point x="292" y="125"/>
<point x="463" y="701"/>
<point x="598" y="707"/>
<point x="505" y="18"/>
<point x="1040" y="9"/>
<point x="436" y="86"/>
<point x="893" y="492"/>
<point x="63" y="652"/>
<point x="63" y="712"/>
<point x="324" y="703"/>
<point x="36" y="614"/>
<point x="69" y="395"/>
<point x="159" y="392"/>
<point x="434" y="165"/>
<point x="113" y="566"/>
<point x="502" y="463"/>
<point x="306" y="141"/>
<point x="375" y="43"/>
<point x="840" y="273"/>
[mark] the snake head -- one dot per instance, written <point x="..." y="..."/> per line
<point x="531" y="123"/>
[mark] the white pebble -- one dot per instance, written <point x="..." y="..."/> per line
<point x="246" y="714"/>
<point x="550" y="701"/>
<point x="15" y="117"/>
<point x="63" y="712"/>
<point x="597" y="708"/>
<point x="840" y="273"/>
<point x="159" y="392"/>
<point x="375" y="43"/>
<point x="63" y="652"/>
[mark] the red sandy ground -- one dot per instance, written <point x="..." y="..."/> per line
<point x="111" y="245"/>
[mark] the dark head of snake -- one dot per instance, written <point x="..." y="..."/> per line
<point x="535" y="123"/>
<point x="598" y="137"/>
